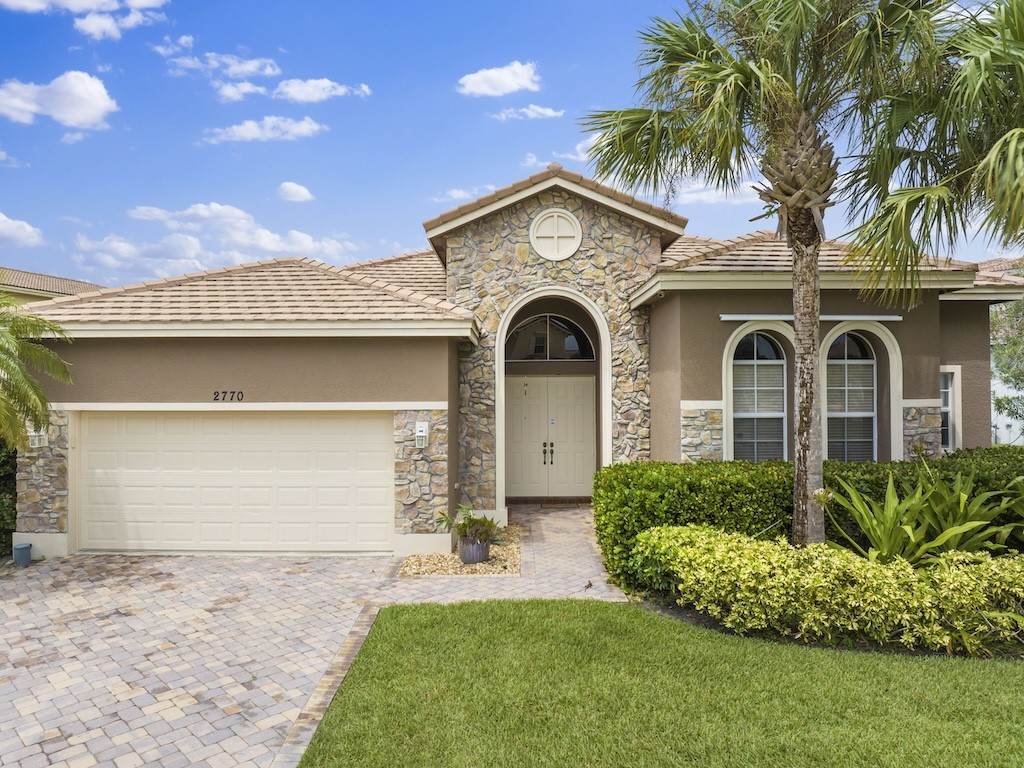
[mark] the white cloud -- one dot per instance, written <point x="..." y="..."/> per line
<point x="531" y="112"/>
<point x="6" y="161"/>
<point x="499" y="81"/>
<point x="105" y="25"/>
<point x="74" y="99"/>
<point x="532" y="161"/>
<point x="237" y="91"/>
<point x="580" y="151"/>
<point x="458" y="193"/>
<point x="72" y="137"/>
<point x="95" y="18"/>
<point x="270" y="128"/>
<point x="695" y="192"/>
<point x="18" y="233"/>
<point x="49" y="6"/>
<point x="224" y="64"/>
<point x="295" y="193"/>
<point x="172" y="47"/>
<point x="320" y="89"/>
<point x="203" y="236"/>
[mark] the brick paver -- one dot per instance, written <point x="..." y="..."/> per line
<point x="209" y="660"/>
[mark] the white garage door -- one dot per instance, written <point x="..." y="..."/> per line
<point x="321" y="482"/>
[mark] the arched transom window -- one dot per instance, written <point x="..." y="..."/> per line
<point x="850" y="395"/>
<point x="548" y="337"/>
<point x="758" y="399"/>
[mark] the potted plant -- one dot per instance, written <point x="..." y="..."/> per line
<point x="475" y="534"/>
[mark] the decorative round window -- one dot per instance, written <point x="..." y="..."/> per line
<point x="556" y="234"/>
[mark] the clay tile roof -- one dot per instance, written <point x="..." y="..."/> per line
<point x="554" y="170"/>
<point x="33" y="281"/>
<point x="997" y="278"/>
<point x="763" y="252"/>
<point x="278" y="290"/>
<point x="1001" y="264"/>
<point x="420" y="270"/>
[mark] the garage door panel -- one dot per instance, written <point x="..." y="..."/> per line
<point x="242" y="482"/>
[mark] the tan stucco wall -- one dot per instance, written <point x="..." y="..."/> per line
<point x="965" y="342"/>
<point x="666" y="327"/>
<point x="266" y="370"/>
<point x="704" y="335"/>
<point x="451" y="470"/>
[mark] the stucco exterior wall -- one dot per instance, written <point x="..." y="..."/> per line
<point x="965" y="342"/>
<point x="266" y="370"/>
<point x="704" y="335"/>
<point x="666" y="351"/>
<point x="490" y="263"/>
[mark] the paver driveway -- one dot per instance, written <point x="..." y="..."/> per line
<point x="219" y="660"/>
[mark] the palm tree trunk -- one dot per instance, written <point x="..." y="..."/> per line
<point x="805" y="242"/>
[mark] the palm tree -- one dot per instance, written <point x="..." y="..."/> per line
<point x="22" y="401"/>
<point x="925" y="95"/>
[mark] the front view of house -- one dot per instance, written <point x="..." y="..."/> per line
<point x="553" y="327"/>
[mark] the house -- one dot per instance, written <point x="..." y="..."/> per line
<point x="1005" y="430"/>
<point x="25" y="287"/>
<point x="553" y="327"/>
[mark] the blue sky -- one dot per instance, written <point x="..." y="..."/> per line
<point x="148" y="138"/>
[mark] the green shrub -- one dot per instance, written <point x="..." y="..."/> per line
<point x="8" y="496"/>
<point x="755" y="498"/>
<point x="932" y="517"/>
<point x="969" y="604"/>
<point x="735" y="495"/>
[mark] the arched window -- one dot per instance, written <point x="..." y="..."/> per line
<point x="548" y="337"/>
<point x="758" y="399"/>
<point x="850" y="395"/>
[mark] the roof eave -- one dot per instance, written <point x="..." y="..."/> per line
<point x="993" y="294"/>
<point x="664" y="282"/>
<point x="457" y="328"/>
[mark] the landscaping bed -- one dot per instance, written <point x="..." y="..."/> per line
<point x="505" y="560"/>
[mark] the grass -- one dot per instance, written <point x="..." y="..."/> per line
<point x="580" y="683"/>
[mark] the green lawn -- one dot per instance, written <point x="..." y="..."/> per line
<point x="575" y="683"/>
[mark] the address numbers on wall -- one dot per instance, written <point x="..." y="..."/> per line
<point x="228" y="396"/>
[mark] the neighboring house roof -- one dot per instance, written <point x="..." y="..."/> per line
<point x="277" y="294"/>
<point x="420" y="270"/>
<point x="33" y="282"/>
<point x="670" y="224"/>
<point x="1001" y="264"/>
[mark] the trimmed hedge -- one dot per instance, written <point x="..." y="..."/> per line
<point x="971" y="604"/>
<point x="751" y="498"/>
<point x="735" y="496"/>
<point x="8" y="494"/>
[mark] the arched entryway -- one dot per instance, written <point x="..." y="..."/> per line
<point x="552" y="349"/>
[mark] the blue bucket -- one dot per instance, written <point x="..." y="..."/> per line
<point x="22" y="554"/>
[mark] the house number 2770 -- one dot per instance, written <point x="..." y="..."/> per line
<point x="228" y="395"/>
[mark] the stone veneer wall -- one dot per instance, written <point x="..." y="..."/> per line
<point x="421" y="474"/>
<point x="490" y="262"/>
<point x="700" y="431"/>
<point x="922" y="431"/>
<point x="43" y="481"/>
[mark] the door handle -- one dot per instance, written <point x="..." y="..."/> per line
<point x="545" y="452"/>
<point x="552" y="454"/>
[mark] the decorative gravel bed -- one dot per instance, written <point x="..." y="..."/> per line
<point x="505" y="560"/>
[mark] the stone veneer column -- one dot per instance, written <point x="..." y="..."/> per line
<point x="700" y="432"/>
<point x="490" y="263"/>
<point x="421" y="474"/>
<point x="42" y="481"/>
<point x="922" y="432"/>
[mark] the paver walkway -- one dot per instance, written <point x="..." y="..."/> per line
<point x="221" y="661"/>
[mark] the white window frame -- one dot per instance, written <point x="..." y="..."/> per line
<point x="755" y="363"/>
<point x="845" y="414"/>
<point x="955" y="405"/>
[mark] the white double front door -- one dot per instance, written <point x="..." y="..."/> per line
<point x="550" y="443"/>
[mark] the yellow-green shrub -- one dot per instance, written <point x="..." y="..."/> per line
<point x="962" y="604"/>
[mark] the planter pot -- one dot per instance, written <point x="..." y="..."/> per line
<point x="22" y="554"/>
<point x="473" y="551"/>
